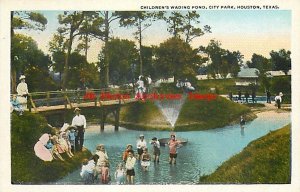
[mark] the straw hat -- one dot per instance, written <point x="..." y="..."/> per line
<point x="77" y="109"/>
<point x="22" y="77"/>
<point x="280" y="94"/>
<point x="141" y="135"/>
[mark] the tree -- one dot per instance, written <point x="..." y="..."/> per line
<point x="222" y="61"/>
<point x="281" y="60"/>
<point x="176" y="58"/>
<point x="32" y="62"/>
<point x="71" y="22"/>
<point x="122" y="55"/>
<point x="187" y="25"/>
<point x="57" y="46"/>
<point x="260" y="62"/>
<point x="23" y="20"/>
<point x="141" y="20"/>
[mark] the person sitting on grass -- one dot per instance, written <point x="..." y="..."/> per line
<point x="65" y="144"/>
<point x="57" y="149"/>
<point x="16" y="106"/>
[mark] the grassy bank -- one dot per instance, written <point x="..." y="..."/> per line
<point x="143" y="115"/>
<point x="194" y="115"/>
<point x="202" y="114"/>
<point x="265" y="160"/>
<point x="26" y="167"/>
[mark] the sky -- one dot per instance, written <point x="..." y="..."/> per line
<point x="247" y="31"/>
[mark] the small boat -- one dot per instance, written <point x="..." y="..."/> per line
<point x="164" y="141"/>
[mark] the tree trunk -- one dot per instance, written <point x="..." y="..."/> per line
<point x="13" y="78"/>
<point x="67" y="58"/>
<point x="106" y="59"/>
<point x="140" y="43"/>
<point x="13" y="72"/>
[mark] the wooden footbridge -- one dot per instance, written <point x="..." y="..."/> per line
<point x="108" y="100"/>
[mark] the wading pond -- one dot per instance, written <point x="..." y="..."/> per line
<point x="204" y="152"/>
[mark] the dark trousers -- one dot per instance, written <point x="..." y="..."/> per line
<point x="268" y="99"/>
<point x="79" y="138"/>
<point x="278" y="104"/>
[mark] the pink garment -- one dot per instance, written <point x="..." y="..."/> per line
<point x="104" y="175"/>
<point x="41" y="151"/>
<point x="173" y="145"/>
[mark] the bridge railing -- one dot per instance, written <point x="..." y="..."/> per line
<point x="70" y="97"/>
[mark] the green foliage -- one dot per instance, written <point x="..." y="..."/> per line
<point x="281" y="60"/>
<point x="28" y="20"/>
<point x="26" y="167"/>
<point x="260" y="62"/>
<point x="176" y="58"/>
<point x="203" y="114"/>
<point x="187" y="26"/>
<point x="27" y="59"/>
<point x="222" y="61"/>
<point x="265" y="160"/>
<point x="121" y="54"/>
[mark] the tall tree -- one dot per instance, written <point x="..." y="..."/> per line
<point x="122" y="54"/>
<point x="260" y="62"/>
<point x="222" y="61"/>
<point x="57" y="46"/>
<point x="141" y="20"/>
<point x="281" y="60"/>
<point x="177" y="58"/>
<point x="24" y="20"/>
<point x="32" y="62"/>
<point x="187" y="26"/>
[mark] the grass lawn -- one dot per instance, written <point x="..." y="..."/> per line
<point x="265" y="160"/>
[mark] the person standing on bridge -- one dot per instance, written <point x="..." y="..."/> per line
<point x="79" y="122"/>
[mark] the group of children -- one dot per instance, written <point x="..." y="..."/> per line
<point x="62" y="142"/>
<point x="96" y="169"/>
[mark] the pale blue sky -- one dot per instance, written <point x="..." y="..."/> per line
<point x="249" y="31"/>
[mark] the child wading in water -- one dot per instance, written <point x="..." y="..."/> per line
<point x="130" y="162"/>
<point x="105" y="173"/>
<point x="120" y="174"/>
<point x="173" y="144"/>
<point x="87" y="171"/>
<point x="145" y="157"/>
<point x="156" y="149"/>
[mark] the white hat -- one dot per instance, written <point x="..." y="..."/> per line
<point x="280" y="94"/>
<point x="22" y="77"/>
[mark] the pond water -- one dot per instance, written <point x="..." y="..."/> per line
<point x="204" y="152"/>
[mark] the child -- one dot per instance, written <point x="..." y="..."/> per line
<point x="120" y="174"/>
<point x="130" y="162"/>
<point x="71" y="137"/>
<point x="156" y="149"/>
<point x="105" y="173"/>
<point x="16" y="106"/>
<point x="145" y="159"/>
<point x="56" y="149"/>
<point x="125" y="154"/>
<point x="87" y="171"/>
<point x="65" y="144"/>
<point x="173" y="144"/>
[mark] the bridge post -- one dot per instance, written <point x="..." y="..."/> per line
<point x="117" y="118"/>
<point x="102" y="119"/>
<point x="47" y="98"/>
